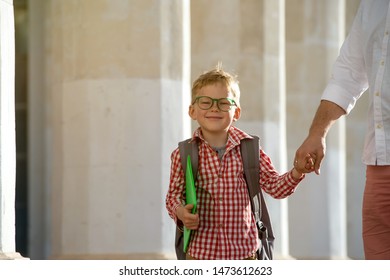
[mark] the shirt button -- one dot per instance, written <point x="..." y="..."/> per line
<point x="382" y="62"/>
<point x="379" y="126"/>
<point x="387" y="33"/>
<point x="377" y="93"/>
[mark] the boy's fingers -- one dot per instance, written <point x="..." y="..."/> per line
<point x="309" y="166"/>
<point x="189" y="206"/>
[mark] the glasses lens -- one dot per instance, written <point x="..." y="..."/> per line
<point x="205" y="102"/>
<point x="224" y="104"/>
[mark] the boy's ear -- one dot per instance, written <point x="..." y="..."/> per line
<point x="191" y="112"/>
<point x="237" y="114"/>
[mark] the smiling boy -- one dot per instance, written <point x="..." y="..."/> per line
<point x="224" y="226"/>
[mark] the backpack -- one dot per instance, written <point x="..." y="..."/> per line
<point x="250" y="156"/>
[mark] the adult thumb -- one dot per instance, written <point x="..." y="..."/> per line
<point x="317" y="166"/>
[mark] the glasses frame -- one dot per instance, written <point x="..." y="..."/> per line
<point x="216" y="100"/>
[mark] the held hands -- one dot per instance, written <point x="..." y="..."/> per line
<point x="190" y="221"/>
<point x="304" y="166"/>
<point x="314" y="146"/>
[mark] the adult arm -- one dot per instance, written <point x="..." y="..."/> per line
<point x="315" y="143"/>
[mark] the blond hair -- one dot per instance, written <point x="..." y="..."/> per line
<point x="217" y="75"/>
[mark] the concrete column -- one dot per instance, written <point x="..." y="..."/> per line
<point x="315" y="31"/>
<point x="38" y="194"/>
<point x="356" y="125"/>
<point x="7" y="132"/>
<point x="236" y="41"/>
<point x="274" y="107"/>
<point x="117" y="77"/>
<point x="250" y="43"/>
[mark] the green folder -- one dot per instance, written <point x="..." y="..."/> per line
<point x="190" y="199"/>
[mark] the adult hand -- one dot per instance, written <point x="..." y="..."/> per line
<point x="314" y="146"/>
<point x="327" y="113"/>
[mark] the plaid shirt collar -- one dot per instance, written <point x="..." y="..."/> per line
<point x="235" y="135"/>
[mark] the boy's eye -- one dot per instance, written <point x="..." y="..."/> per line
<point x="224" y="102"/>
<point x="205" y="101"/>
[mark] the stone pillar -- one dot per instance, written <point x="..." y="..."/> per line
<point x="7" y="132"/>
<point x="356" y="125"/>
<point x="250" y="43"/>
<point x="317" y="211"/>
<point x="38" y="194"/>
<point x="274" y="108"/>
<point x="117" y="77"/>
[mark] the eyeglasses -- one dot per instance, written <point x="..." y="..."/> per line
<point x="223" y="104"/>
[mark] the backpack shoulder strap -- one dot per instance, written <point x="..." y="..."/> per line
<point x="250" y="154"/>
<point x="250" y="159"/>
<point x="188" y="147"/>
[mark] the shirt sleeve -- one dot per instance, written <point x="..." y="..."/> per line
<point x="349" y="79"/>
<point x="175" y="194"/>
<point x="276" y="185"/>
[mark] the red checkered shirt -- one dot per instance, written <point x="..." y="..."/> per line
<point x="227" y="229"/>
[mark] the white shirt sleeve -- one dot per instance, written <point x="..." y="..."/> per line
<point x="349" y="79"/>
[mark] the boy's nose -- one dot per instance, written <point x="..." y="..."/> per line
<point x="214" y="106"/>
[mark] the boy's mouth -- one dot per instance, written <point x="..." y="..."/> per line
<point x="213" y="117"/>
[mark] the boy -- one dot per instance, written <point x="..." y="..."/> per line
<point x="224" y="226"/>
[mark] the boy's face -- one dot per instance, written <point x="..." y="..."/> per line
<point x="214" y="120"/>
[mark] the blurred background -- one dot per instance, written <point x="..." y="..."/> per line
<point x="102" y="89"/>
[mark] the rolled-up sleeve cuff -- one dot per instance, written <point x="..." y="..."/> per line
<point x="174" y="216"/>
<point x="340" y="96"/>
